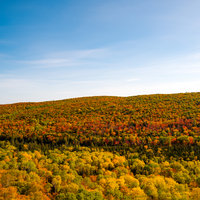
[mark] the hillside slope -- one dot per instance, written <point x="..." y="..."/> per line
<point x="140" y="147"/>
<point x="110" y="121"/>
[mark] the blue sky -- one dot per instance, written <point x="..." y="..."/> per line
<point x="51" y="50"/>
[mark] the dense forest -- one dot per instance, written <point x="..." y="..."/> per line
<point x="95" y="148"/>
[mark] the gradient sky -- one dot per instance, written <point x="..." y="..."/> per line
<point x="51" y="50"/>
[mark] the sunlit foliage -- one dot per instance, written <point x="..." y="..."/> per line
<point x="142" y="147"/>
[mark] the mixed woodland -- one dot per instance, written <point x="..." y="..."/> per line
<point x="95" y="148"/>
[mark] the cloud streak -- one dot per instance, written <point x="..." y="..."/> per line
<point x="49" y="63"/>
<point x="130" y="80"/>
<point x="66" y="58"/>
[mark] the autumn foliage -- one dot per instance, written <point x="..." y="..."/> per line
<point x="141" y="147"/>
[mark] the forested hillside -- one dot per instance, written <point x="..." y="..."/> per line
<point x="140" y="147"/>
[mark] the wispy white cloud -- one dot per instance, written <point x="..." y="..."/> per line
<point x="111" y="74"/>
<point x="45" y="61"/>
<point x="66" y="58"/>
<point x="49" y="63"/>
<point x="81" y="54"/>
<point x="14" y="83"/>
<point x="130" y="80"/>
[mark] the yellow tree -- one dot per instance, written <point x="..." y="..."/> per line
<point x="72" y="188"/>
<point x="131" y="181"/>
<point x="8" y="193"/>
<point x="195" y="194"/>
<point x="137" y="194"/>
